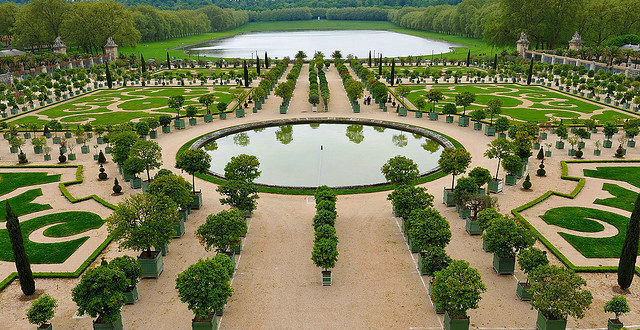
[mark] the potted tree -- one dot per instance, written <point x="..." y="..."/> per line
<point x="597" y="150"/>
<point x="38" y="143"/>
<point x="239" y="194"/>
<point x="573" y="140"/>
<point x="494" y="107"/>
<point x="502" y="125"/>
<point x="426" y="228"/>
<point x="175" y="103"/>
<point x="179" y="191"/>
<point x="325" y="256"/>
<point x="457" y="289"/>
<point x="609" y="129"/>
<point x="453" y="161"/>
<point x="191" y="112"/>
<point x="223" y="231"/>
<point x="150" y="154"/>
<point x="449" y="109"/>
<point x="142" y="129"/>
<point x="561" y="131"/>
<point x="132" y="270"/>
<point x="464" y="99"/>
<point x="153" y="123"/>
<point x="406" y="198"/>
<point x="400" y="170"/>
<point x="465" y="189"/>
<point x="42" y="311"/>
<point x="100" y="294"/>
<point x="434" y="96"/>
<point x="498" y="148"/>
<point x="165" y="122"/>
<point x="617" y="305"/>
<point x="477" y="116"/>
<point x="194" y="161"/>
<point x="132" y="167"/>
<point x="205" y="288"/>
<point x="505" y="238"/>
<point x="431" y="260"/>
<point x="512" y="164"/>
<point x="481" y="176"/>
<point x="528" y="260"/>
<point x="556" y="292"/>
<point x="141" y="222"/>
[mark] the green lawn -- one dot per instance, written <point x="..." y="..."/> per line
<point x="629" y="174"/>
<point x="67" y="224"/>
<point x="158" y="49"/>
<point x="12" y="181"/>
<point x="579" y="219"/>
<point x="22" y="204"/>
<point x="624" y="198"/>
<point x="525" y="103"/>
<point x="126" y="104"/>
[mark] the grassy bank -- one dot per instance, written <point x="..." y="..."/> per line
<point x="158" y="49"/>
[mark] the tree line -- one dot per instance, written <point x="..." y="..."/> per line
<point x="548" y="23"/>
<point x="86" y="26"/>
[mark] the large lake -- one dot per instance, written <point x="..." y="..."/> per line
<point x="287" y="43"/>
<point x="309" y="155"/>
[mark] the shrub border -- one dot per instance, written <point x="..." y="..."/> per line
<point x="581" y="182"/>
<point x="65" y="192"/>
<point x="348" y="191"/>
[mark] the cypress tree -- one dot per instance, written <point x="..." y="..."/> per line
<point x="168" y="61"/>
<point x="627" y="263"/>
<point x="468" y="58"/>
<point x="369" y="58"/>
<point x="266" y="60"/>
<point x="27" y="283"/>
<point x="258" y="65"/>
<point x="246" y="73"/>
<point x="108" y="74"/>
<point x="143" y="64"/>
<point x="495" y="62"/>
<point x="393" y="72"/>
<point x="380" y="66"/>
<point x="530" y="71"/>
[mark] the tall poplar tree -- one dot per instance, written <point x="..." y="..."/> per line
<point x="627" y="263"/>
<point x="393" y="71"/>
<point x="246" y="73"/>
<point x="168" y="61"/>
<point x="266" y="60"/>
<point x="27" y="284"/>
<point x="108" y="75"/>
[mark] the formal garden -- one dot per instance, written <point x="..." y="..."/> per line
<point x="213" y="173"/>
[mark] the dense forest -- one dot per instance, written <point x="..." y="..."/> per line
<point x="549" y="24"/>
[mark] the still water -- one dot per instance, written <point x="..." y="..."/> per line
<point x="309" y="155"/>
<point x="287" y="43"/>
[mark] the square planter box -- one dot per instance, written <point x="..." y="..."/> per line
<point x="484" y="245"/>
<point x="495" y="186"/>
<point x="510" y="180"/>
<point x="463" y="212"/>
<point x="47" y="157"/>
<point x="84" y="149"/>
<point x="463" y="121"/>
<point x="477" y="126"/>
<point x="433" y="116"/>
<point x="67" y="135"/>
<point x="144" y="184"/>
<point x="27" y="135"/>
<point x="559" y="145"/>
<point x="152" y="267"/>
<point x="239" y="113"/>
<point x="542" y="323"/>
<point x="131" y="296"/>
<point x="153" y="134"/>
<point x="489" y="130"/>
<point x="326" y="277"/>
<point x="607" y="143"/>
<point x="402" y="112"/>
<point x="503" y="266"/>
<point x="183" y="215"/>
<point x="597" y="152"/>
<point x="197" y="200"/>
<point x="522" y="292"/>
<point x="37" y="150"/>
<point x="14" y="150"/>
<point x="547" y="153"/>
<point x="116" y="325"/>
<point x="223" y="115"/>
<point x="71" y="157"/>
<point x="472" y="227"/>
<point x="412" y="247"/>
<point x="571" y="152"/>
<point x="449" y="119"/>
<point x="107" y="150"/>
<point x="193" y="121"/>
<point x="179" y="228"/>
<point x="166" y="129"/>
<point x="536" y="145"/>
<point x="204" y="325"/>
<point x="208" y="118"/>
<point x="613" y="324"/>
<point x="99" y="140"/>
<point x="135" y="183"/>
<point x="502" y="135"/>
<point x="581" y="145"/>
<point x="455" y="324"/>
<point x="418" y="114"/>
<point x="178" y="124"/>
<point x="420" y="264"/>
<point x="631" y="143"/>
<point x="163" y="250"/>
<point x="283" y="109"/>
<point x="448" y="197"/>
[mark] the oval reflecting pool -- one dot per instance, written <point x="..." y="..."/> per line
<point x="287" y="43"/>
<point x="337" y="155"/>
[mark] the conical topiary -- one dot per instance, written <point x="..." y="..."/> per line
<point x="541" y="171"/>
<point x="527" y="183"/>
<point x="101" y="158"/>
<point x="117" y="189"/>
<point x="540" y="155"/>
<point x="619" y="152"/>
<point x="626" y="265"/>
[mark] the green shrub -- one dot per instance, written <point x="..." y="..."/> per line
<point x="458" y="288"/>
<point x="427" y="228"/>
<point x="617" y="305"/>
<point x="222" y="230"/>
<point x="42" y="310"/>
<point x="434" y="259"/>
<point x="100" y="293"/>
<point x="557" y="292"/>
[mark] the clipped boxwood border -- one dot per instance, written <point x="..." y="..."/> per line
<point x="346" y="191"/>
<point x="65" y="192"/>
<point x="581" y="182"/>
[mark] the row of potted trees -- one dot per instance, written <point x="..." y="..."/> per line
<point x="285" y="89"/>
<point x="325" y="243"/>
